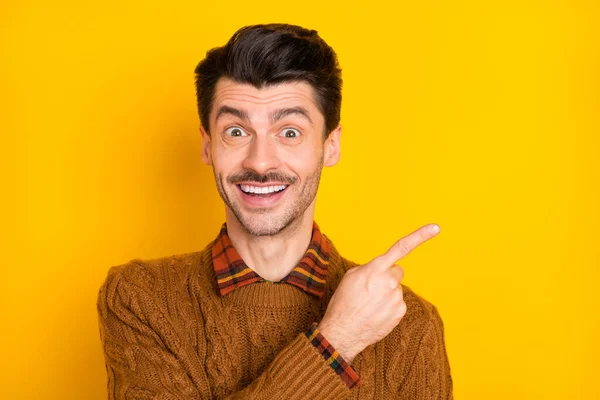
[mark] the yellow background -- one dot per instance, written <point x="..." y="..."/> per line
<point x="480" y="116"/>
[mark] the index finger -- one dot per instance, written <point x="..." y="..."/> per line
<point x="408" y="243"/>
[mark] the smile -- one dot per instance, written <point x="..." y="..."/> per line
<point x="262" y="190"/>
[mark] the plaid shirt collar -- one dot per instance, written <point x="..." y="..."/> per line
<point x="309" y="275"/>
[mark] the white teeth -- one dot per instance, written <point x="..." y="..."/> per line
<point x="266" y="189"/>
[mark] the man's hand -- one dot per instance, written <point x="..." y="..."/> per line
<point x="368" y="303"/>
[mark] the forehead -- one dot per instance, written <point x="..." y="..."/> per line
<point x="250" y="98"/>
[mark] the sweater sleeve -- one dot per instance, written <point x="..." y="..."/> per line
<point x="429" y="377"/>
<point x="147" y="358"/>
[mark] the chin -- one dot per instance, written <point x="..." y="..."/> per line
<point x="263" y="225"/>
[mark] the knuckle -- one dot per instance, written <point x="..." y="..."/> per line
<point x="390" y="277"/>
<point x="397" y="297"/>
<point x="371" y="283"/>
<point x="403" y="247"/>
<point x="396" y="319"/>
<point x="399" y="271"/>
<point x="402" y="309"/>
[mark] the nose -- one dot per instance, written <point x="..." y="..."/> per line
<point x="262" y="155"/>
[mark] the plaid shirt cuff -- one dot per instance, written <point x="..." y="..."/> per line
<point x="333" y="358"/>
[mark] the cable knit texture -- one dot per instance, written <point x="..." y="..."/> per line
<point x="168" y="334"/>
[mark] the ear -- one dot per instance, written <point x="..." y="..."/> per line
<point x="206" y="151"/>
<point x="332" y="154"/>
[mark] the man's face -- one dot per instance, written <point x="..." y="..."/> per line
<point x="267" y="151"/>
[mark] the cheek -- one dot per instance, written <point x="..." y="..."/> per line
<point x="224" y="161"/>
<point x="303" y="159"/>
<point x="304" y="168"/>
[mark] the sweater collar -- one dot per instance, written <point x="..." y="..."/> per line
<point x="309" y="275"/>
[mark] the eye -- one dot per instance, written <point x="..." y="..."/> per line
<point x="290" y="133"/>
<point x="235" y="131"/>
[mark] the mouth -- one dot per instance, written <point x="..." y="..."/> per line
<point x="262" y="191"/>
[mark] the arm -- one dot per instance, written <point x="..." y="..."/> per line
<point x="146" y="358"/>
<point x="429" y="376"/>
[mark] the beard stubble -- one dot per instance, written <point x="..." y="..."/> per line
<point x="258" y="222"/>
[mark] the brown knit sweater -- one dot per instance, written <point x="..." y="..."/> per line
<point x="168" y="334"/>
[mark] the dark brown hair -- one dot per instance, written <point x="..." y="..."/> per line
<point x="263" y="55"/>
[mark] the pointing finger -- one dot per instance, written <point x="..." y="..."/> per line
<point x="408" y="243"/>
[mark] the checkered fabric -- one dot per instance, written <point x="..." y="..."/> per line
<point x="335" y="360"/>
<point x="308" y="275"/>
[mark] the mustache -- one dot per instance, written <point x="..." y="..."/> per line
<point x="251" y="176"/>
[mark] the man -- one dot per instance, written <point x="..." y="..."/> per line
<point x="270" y="309"/>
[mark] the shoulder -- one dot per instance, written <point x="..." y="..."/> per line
<point x="418" y="308"/>
<point x="420" y="328"/>
<point x="419" y="334"/>
<point x="148" y="273"/>
<point x="154" y="280"/>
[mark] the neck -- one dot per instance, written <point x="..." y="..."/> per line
<point x="272" y="257"/>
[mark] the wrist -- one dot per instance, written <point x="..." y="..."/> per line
<point x="337" y="342"/>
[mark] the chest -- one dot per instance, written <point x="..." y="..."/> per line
<point x="242" y="340"/>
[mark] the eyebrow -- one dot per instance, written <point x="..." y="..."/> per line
<point x="224" y="110"/>
<point x="284" y="112"/>
<point x="274" y="117"/>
